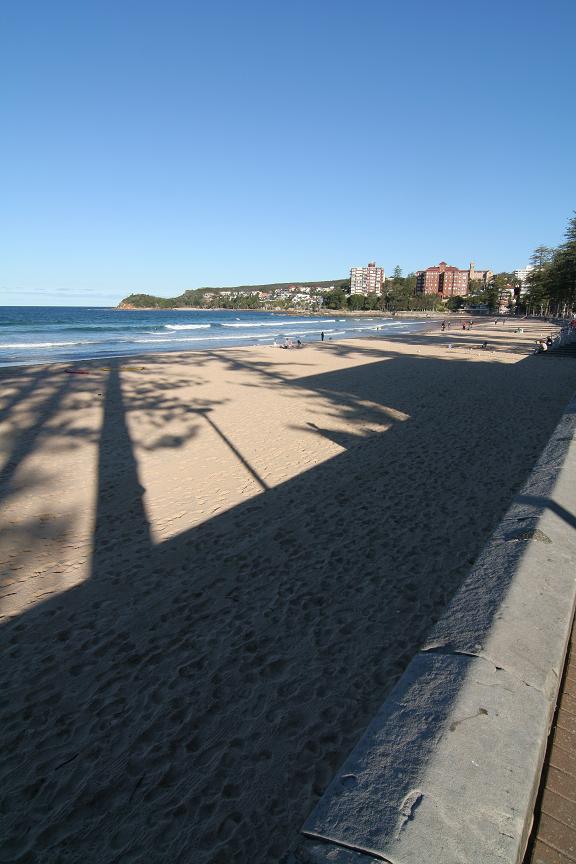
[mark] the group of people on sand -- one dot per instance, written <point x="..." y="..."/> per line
<point x="543" y="345"/>
<point x="466" y="325"/>
<point x="290" y="344"/>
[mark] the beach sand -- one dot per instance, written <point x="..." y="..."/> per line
<point x="216" y="565"/>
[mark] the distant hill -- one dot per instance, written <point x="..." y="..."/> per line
<point x="195" y="297"/>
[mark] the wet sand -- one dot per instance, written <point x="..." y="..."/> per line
<point x="215" y="565"/>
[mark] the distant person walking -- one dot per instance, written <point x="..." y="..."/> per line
<point x="322" y="335"/>
<point x="443" y="328"/>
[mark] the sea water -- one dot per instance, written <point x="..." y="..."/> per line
<point x="55" y="334"/>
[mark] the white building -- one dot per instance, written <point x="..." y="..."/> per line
<point x="367" y="280"/>
<point x="522" y="276"/>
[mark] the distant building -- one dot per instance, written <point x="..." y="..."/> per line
<point x="444" y="281"/>
<point x="483" y="276"/>
<point x="522" y="275"/>
<point x="524" y="272"/>
<point x="367" y="280"/>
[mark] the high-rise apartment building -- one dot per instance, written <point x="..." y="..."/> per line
<point x="522" y="275"/>
<point x="443" y="280"/>
<point x="367" y="280"/>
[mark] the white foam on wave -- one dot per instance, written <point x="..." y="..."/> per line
<point x="259" y="324"/>
<point x="279" y="323"/>
<point x="186" y="326"/>
<point x="181" y="340"/>
<point x="40" y="344"/>
<point x="311" y="332"/>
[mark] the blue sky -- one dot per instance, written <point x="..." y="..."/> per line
<point x="159" y="146"/>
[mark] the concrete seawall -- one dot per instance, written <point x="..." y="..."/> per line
<point x="448" y="770"/>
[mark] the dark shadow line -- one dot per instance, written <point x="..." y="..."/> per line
<point x="118" y="480"/>
<point x="539" y="501"/>
<point x="236" y="452"/>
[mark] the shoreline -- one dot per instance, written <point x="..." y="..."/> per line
<point x="139" y="357"/>
<point x="424" y="322"/>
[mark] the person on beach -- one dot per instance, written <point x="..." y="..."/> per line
<point x="443" y="327"/>
<point x="548" y="340"/>
<point x="484" y="346"/>
<point x="322" y="336"/>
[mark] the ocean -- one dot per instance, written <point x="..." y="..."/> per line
<point x="45" y="334"/>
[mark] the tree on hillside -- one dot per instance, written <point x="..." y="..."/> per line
<point x="335" y="299"/>
<point x="551" y="286"/>
<point x="398" y="294"/>
<point x="455" y="303"/>
<point x="410" y="282"/>
<point x="357" y="302"/>
<point x="500" y="291"/>
<point x="397" y="272"/>
<point x="566" y="267"/>
<point x="146" y="301"/>
<point x="541" y="256"/>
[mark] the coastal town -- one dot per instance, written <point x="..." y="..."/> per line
<point x="441" y="287"/>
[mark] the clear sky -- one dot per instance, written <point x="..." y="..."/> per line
<point x="159" y="146"/>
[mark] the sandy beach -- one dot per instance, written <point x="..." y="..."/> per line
<point x="215" y="565"/>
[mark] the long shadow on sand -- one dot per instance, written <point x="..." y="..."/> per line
<point x="211" y="684"/>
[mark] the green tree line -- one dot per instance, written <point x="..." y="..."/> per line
<point x="197" y="296"/>
<point x="552" y="283"/>
<point x="399" y="294"/>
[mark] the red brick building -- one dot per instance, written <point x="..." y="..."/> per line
<point x="443" y="280"/>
